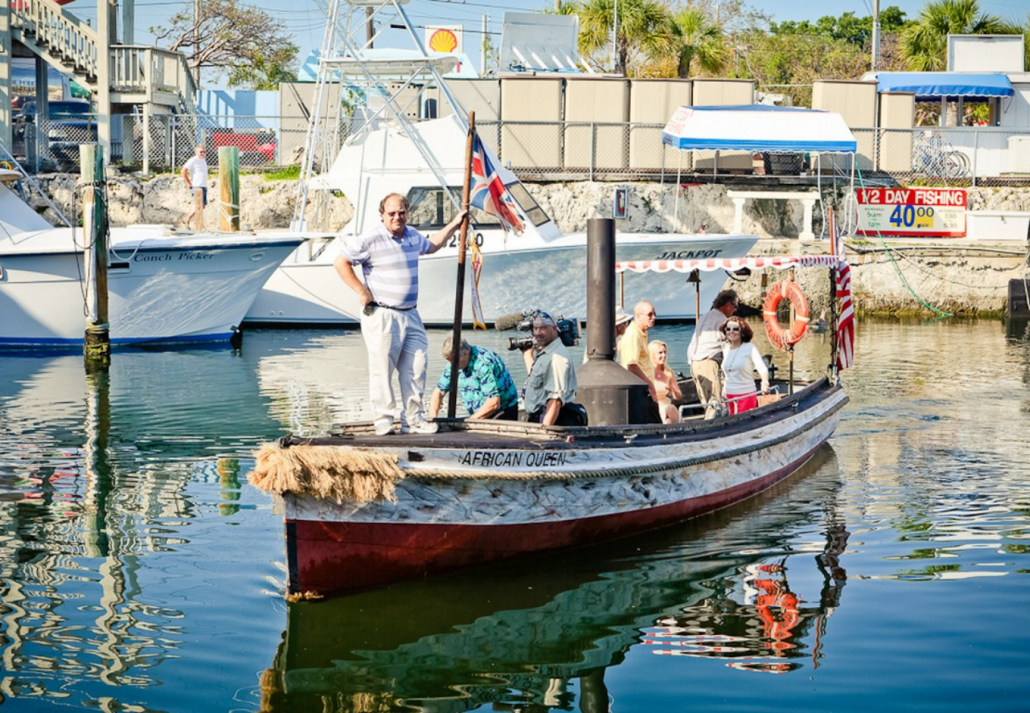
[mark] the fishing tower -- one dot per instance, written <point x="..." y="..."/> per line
<point x="359" y="89"/>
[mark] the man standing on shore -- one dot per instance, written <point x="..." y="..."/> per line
<point x="705" y="350"/>
<point x="194" y="172"/>
<point x="390" y="324"/>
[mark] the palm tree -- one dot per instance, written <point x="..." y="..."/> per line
<point x="697" y="41"/>
<point x="643" y="28"/>
<point x="924" y="46"/>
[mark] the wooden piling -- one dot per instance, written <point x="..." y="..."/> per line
<point x="97" y="339"/>
<point x="198" y="207"/>
<point x="229" y="189"/>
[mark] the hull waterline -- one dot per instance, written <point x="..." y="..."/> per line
<point x="174" y="294"/>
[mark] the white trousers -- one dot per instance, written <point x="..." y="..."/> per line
<point x="397" y="344"/>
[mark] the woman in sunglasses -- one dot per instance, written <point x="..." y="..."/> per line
<point x="740" y="361"/>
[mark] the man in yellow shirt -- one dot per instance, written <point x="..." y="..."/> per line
<point x="634" y="354"/>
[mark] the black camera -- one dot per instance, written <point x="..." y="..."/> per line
<point x="568" y="331"/>
<point x="521" y="343"/>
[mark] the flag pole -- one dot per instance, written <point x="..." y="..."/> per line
<point x="459" y="296"/>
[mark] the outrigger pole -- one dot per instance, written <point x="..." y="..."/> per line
<point x="459" y="295"/>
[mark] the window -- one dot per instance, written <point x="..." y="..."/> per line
<point x="529" y="206"/>
<point x="432" y="209"/>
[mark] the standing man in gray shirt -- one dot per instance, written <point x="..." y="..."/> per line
<point x="705" y="350"/>
<point x="390" y="324"/>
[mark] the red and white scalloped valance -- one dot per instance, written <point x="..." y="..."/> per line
<point x="731" y="264"/>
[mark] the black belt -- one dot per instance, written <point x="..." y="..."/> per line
<point x="399" y="309"/>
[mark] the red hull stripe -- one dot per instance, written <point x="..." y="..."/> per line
<point x="326" y="557"/>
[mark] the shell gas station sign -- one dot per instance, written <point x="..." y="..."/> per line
<point x="443" y="38"/>
<point x="912" y="212"/>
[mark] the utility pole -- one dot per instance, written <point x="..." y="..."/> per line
<point x="370" y="27"/>
<point x="482" y="48"/>
<point x="876" y="35"/>
<point x="615" y="38"/>
<point x="196" y="40"/>
<point x="128" y="22"/>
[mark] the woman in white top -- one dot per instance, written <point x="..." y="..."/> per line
<point x="665" y="385"/>
<point x="740" y="360"/>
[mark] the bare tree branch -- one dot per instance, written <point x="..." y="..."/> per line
<point x="231" y="36"/>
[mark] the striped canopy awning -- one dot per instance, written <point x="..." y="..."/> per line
<point x="780" y="262"/>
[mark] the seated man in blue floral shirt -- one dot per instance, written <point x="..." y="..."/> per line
<point x="484" y="384"/>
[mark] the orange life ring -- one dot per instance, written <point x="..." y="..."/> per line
<point x="783" y="338"/>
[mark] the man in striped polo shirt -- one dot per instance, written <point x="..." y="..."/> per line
<point x="394" y="336"/>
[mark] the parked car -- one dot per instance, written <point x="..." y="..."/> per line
<point x="68" y="123"/>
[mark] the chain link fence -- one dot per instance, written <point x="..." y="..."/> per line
<point x="960" y="156"/>
<point x="551" y="151"/>
<point x="46" y="144"/>
<point x="167" y="141"/>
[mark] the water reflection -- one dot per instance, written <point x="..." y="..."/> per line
<point x="541" y="634"/>
<point x="95" y="477"/>
<point x="138" y="572"/>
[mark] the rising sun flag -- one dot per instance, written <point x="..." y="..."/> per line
<point x="488" y="192"/>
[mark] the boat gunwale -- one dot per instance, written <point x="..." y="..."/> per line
<point x="508" y="435"/>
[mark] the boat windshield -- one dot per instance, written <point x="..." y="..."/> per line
<point x="431" y="208"/>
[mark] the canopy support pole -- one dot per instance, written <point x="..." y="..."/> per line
<point x="679" y="187"/>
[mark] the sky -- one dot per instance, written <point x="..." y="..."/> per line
<point x="304" y="19"/>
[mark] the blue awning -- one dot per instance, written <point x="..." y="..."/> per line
<point x="934" y="85"/>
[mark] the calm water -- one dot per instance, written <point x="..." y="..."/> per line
<point x="140" y="572"/>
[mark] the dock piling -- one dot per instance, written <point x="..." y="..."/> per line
<point x="97" y="338"/>
<point x="229" y="189"/>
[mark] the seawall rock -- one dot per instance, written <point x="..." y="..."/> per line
<point x="164" y="199"/>
<point x="893" y="277"/>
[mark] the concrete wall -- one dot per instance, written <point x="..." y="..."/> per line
<point x="897" y="110"/>
<point x="527" y="100"/>
<point x="654" y="101"/>
<point x="723" y="92"/>
<point x="596" y="101"/>
<point x="856" y="102"/>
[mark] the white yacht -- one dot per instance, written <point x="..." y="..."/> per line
<point x="164" y="286"/>
<point x="538" y="269"/>
<point x="388" y="152"/>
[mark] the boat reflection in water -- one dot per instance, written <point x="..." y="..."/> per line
<point x="751" y="586"/>
<point x="96" y="481"/>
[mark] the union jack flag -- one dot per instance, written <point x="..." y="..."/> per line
<point x="488" y="192"/>
<point x="846" y="320"/>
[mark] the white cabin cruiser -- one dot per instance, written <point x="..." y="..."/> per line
<point x="164" y="286"/>
<point x="525" y="271"/>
